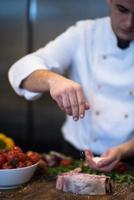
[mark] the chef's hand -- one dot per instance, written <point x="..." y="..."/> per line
<point x="69" y="96"/>
<point x="106" y="162"/>
<point x="110" y="159"/>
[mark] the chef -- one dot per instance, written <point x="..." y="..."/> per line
<point x="98" y="96"/>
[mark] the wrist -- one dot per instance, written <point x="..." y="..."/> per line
<point x="51" y="79"/>
<point x="120" y="153"/>
<point x="45" y="80"/>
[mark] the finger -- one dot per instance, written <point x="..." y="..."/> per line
<point x="89" y="153"/>
<point x="81" y="102"/>
<point x="74" y="105"/>
<point x="91" y="163"/>
<point x="60" y="103"/>
<point x="109" y="167"/>
<point x="89" y="159"/>
<point x="105" y="161"/>
<point x="66" y="104"/>
<point x="87" y="106"/>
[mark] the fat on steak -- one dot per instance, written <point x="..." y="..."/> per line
<point x="83" y="183"/>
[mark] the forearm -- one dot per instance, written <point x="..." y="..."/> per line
<point x="67" y="93"/>
<point x="39" y="81"/>
<point x="127" y="149"/>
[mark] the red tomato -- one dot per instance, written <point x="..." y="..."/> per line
<point x="22" y="156"/>
<point x="17" y="149"/>
<point x="2" y="159"/>
<point x="20" y="165"/>
<point x="65" y="162"/>
<point x="34" y="157"/>
<point x="6" y="165"/>
<point x="11" y="155"/>
<point x="28" y="163"/>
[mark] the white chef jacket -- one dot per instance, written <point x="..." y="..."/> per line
<point x="106" y="74"/>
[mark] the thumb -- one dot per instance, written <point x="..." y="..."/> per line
<point x="88" y="153"/>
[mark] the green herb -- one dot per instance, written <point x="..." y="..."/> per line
<point x="125" y="177"/>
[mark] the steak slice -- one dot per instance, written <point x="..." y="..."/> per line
<point x="82" y="183"/>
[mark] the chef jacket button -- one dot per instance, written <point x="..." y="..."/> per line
<point x="104" y="57"/>
<point x="97" y="112"/>
<point x="94" y="139"/>
<point x="130" y="92"/>
<point x="126" y="116"/>
<point x="99" y="86"/>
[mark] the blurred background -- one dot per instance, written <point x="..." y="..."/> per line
<point x="25" y="26"/>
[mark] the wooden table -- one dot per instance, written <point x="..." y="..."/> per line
<point x="42" y="188"/>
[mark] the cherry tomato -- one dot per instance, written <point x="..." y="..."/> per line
<point x="17" y="149"/>
<point x="28" y="163"/>
<point x="21" y="164"/>
<point x="65" y="162"/>
<point x="34" y="157"/>
<point x="2" y="159"/>
<point x="22" y="156"/>
<point x="6" y="165"/>
<point x="11" y="155"/>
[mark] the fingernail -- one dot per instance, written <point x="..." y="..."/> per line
<point x="75" y="118"/>
<point x="82" y="115"/>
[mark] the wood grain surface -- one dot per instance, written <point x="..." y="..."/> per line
<point x="42" y="188"/>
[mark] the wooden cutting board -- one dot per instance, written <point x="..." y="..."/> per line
<point x="40" y="188"/>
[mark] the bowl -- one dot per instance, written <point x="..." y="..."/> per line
<point x="14" y="178"/>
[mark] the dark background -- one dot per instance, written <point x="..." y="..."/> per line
<point x="26" y="25"/>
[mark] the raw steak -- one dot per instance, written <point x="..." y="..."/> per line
<point x="82" y="183"/>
